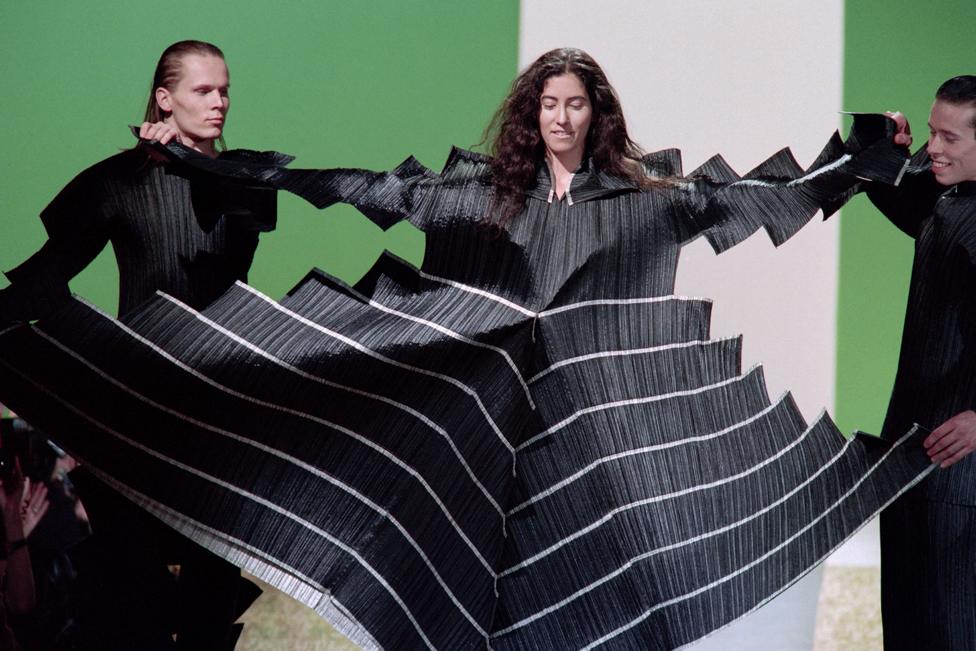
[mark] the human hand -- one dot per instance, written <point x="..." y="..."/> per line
<point x="62" y="466"/>
<point x="159" y="131"/>
<point x="903" y="130"/>
<point x="34" y="505"/>
<point x="11" y="497"/>
<point x="952" y="440"/>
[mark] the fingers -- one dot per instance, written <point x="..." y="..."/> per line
<point x="36" y="511"/>
<point x="158" y="131"/>
<point x="37" y="497"/>
<point x="938" y="449"/>
<point x="952" y="440"/>
<point x="937" y="435"/>
<point x="952" y="454"/>
<point x="25" y="496"/>
<point x="903" y="130"/>
<point x="949" y="454"/>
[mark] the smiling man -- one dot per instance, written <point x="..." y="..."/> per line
<point x="928" y="537"/>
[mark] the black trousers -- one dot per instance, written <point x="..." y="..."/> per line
<point x="928" y="575"/>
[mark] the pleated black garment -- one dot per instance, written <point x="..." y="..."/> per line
<point x="928" y="538"/>
<point x="169" y="231"/>
<point x="529" y="443"/>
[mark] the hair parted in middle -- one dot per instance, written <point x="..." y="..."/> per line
<point x="517" y="146"/>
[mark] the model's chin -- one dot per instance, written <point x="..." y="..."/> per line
<point x="212" y="131"/>
<point x="561" y="147"/>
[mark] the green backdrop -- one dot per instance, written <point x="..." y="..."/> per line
<point x="897" y="54"/>
<point x="333" y="83"/>
<point x="366" y="84"/>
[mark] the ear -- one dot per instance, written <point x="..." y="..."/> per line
<point x="164" y="100"/>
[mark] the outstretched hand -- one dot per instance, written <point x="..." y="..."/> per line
<point x="952" y="440"/>
<point x="903" y="130"/>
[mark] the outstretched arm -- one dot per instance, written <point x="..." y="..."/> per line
<point x="384" y="197"/>
<point x="780" y="196"/>
<point x="77" y="232"/>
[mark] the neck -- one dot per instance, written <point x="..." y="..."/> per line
<point x="563" y="166"/>
<point x="205" y="147"/>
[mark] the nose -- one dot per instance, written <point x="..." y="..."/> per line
<point x="562" y="115"/>
<point x="216" y="99"/>
<point x="934" y="146"/>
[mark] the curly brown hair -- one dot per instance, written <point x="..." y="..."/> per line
<point x="517" y="146"/>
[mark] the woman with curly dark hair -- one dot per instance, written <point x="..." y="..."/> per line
<point x="560" y="107"/>
<point x="527" y="443"/>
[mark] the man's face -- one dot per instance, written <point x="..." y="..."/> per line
<point x="199" y="103"/>
<point x="952" y="142"/>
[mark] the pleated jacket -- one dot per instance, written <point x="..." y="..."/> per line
<point x="936" y="377"/>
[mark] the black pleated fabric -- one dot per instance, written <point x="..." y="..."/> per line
<point x="928" y="537"/>
<point x="529" y="443"/>
<point x="937" y="366"/>
<point x="168" y="230"/>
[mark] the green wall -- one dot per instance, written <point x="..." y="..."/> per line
<point x="897" y="54"/>
<point x="333" y="83"/>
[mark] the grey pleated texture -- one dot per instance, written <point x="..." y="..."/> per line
<point x="529" y="443"/>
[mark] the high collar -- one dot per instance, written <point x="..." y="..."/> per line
<point x="921" y="162"/>
<point x="587" y="183"/>
<point x="964" y="189"/>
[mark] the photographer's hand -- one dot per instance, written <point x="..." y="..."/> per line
<point x="34" y="505"/>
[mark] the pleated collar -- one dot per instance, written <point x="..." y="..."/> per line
<point x="587" y="183"/>
<point x="964" y="189"/>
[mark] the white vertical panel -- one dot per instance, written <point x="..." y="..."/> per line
<point x="743" y="79"/>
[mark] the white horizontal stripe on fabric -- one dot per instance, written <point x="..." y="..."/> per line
<point x="371" y="353"/>
<point x="478" y="292"/>
<point x="259" y="446"/>
<point x="678" y="545"/>
<point x="651" y="500"/>
<point x="619" y="301"/>
<point x="795" y="182"/>
<point x="251" y="496"/>
<point x="643" y="450"/>
<point x="626" y="353"/>
<point x="453" y="335"/>
<point x="307" y="416"/>
<point x="745" y="568"/>
<point x="573" y="306"/>
<point x="629" y="402"/>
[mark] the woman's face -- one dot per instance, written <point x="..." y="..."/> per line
<point x="564" y="117"/>
<point x="199" y="103"/>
